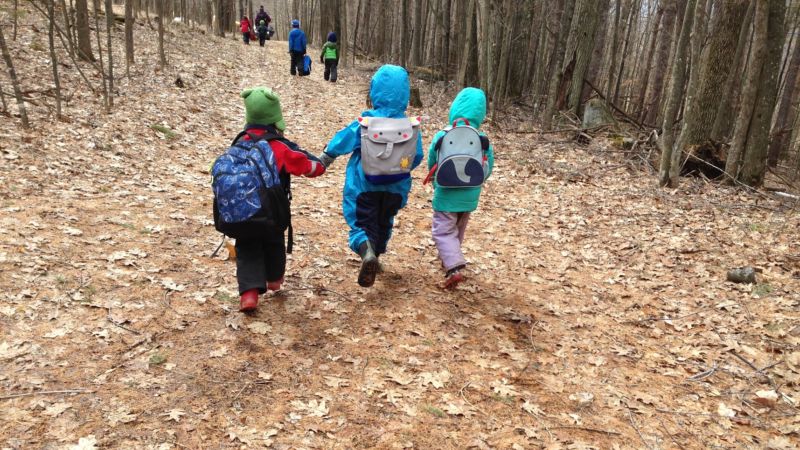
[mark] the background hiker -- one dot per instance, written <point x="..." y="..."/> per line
<point x="330" y="57"/>
<point x="263" y="15"/>
<point x="245" y="27"/>
<point x="297" y="48"/>
<point x="263" y="32"/>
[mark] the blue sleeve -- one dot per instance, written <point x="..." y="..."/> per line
<point x="291" y="36"/>
<point x="303" y="41"/>
<point x="418" y="157"/>
<point x="345" y="141"/>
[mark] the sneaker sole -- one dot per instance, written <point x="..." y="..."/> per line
<point x="369" y="269"/>
<point x="451" y="283"/>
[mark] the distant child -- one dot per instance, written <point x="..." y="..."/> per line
<point x="297" y="48"/>
<point x="254" y="175"/>
<point x="245" y="27"/>
<point x="263" y="32"/>
<point x="330" y="57"/>
<point x="460" y="159"/>
<point x="385" y="146"/>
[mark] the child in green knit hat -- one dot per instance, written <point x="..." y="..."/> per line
<point x="261" y="262"/>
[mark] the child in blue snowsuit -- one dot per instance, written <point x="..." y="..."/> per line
<point x="369" y="208"/>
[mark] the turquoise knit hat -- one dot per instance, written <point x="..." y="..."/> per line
<point x="263" y="107"/>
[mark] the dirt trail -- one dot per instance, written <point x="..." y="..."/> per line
<point x="596" y="313"/>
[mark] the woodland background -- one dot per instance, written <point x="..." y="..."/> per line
<point x="716" y="79"/>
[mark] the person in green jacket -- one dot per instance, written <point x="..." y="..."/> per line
<point x="452" y="205"/>
<point x="330" y="57"/>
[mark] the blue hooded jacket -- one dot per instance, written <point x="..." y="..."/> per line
<point x="297" y="40"/>
<point x="389" y="92"/>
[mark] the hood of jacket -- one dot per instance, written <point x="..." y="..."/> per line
<point x="389" y="92"/>
<point x="469" y="104"/>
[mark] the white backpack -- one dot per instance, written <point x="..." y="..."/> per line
<point x="388" y="146"/>
<point x="461" y="160"/>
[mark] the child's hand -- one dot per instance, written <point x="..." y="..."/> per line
<point x="325" y="159"/>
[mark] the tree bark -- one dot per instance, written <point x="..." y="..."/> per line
<point x="128" y="35"/>
<point x="755" y="153"/>
<point x="724" y="117"/>
<point x="780" y="130"/>
<point x="559" y="55"/>
<point x="651" y="113"/>
<point x="162" y="56"/>
<point x="758" y="53"/>
<point x="669" y="168"/>
<point x="614" y="48"/>
<point x="12" y="74"/>
<point x="649" y="63"/>
<point x="82" y="26"/>
<point x="109" y="31"/>
<point x="467" y="73"/>
<point x="51" y="19"/>
<point x="584" y="27"/>
<point x="699" y="119"/>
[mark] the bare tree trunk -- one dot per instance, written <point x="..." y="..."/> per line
<point x="652" y="107"/>
<point x="723" y="121"/>
<point x="593" y="73"/>
<point x="781" y="131"/>
<point x="84" y="35"/>
<point x="758" y="52"/>
<point x="110" y="30"/>
<point x="12" y="74"/>
<point x="128" y="36"/>
<point x="614" y="48"/>
<point x="700" y="114"/>
<point x="15" y="14"/>
<point x="68" y="29"/>
<point x="649" y="63"/>
<point x="467" y="74"/>
<point x="633" y="17"/>
<point x="51" y="11"/>
<point x="584" y="26"/>
<point x="755" y="154"/>
<point x="162" y="57"/>
<point x="106" y="94"/>
<point x="669" y="168"/>
<point x="559" y="54"/>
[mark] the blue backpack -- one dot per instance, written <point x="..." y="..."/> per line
<point x="306" y="65"/>
<point x="249" y="199"/>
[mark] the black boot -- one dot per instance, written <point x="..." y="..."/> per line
<point x="369" y="265"/>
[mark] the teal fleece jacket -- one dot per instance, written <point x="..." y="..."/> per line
<point x="469" y="104"/>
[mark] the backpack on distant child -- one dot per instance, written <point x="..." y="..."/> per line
<point x="388" y="147"/>
<point x="249" y="199"/>
<point x="461" y="157"/>
<point x="306" y="65"/>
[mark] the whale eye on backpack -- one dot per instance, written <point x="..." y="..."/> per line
<point x="461" y="160"/>
<point x="388" y="147"/>
<point x="249" y="199"/>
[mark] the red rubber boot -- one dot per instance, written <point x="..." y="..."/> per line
<point x="275" y="285"/>
<point x="249" y="301"/>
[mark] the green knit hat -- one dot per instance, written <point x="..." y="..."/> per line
<point x="263" y="107"/>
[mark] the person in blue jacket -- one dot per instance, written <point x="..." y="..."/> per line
<point x="370" y="208"/>
<point x="297" y="47"/>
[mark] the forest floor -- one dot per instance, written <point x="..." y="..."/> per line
<point x="596" y="315"/>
